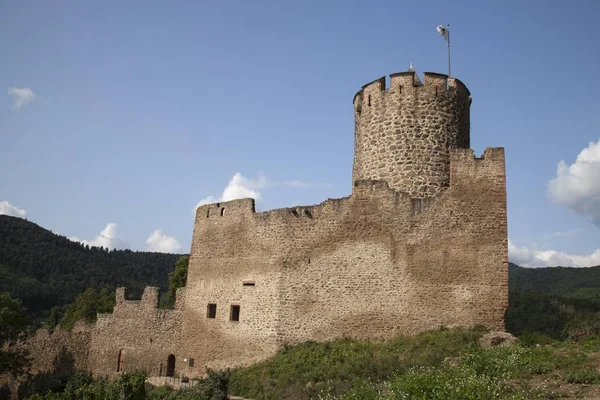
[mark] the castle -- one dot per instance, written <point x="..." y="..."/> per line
<point x="421" y="243"/>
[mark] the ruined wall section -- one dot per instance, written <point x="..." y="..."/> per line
<point x="55" y="353"/>
<point x="144" y="334"/>
<point x="372" y="265"/>
<point x="404" y="133"/>
<point x="59" y="349"/>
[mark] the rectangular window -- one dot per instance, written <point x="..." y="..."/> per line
<point x="248" y="283"/>
<point x="211" y="311"/>
<point x="234" y="313"/>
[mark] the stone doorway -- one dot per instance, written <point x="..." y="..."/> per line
<point x="170" y="365"/>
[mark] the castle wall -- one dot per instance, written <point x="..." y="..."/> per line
<point x="144" y="334"/>
<point x="371" y="265"/>
<point x="58" y="349"/>
<point x="227" y="251"/>
<point x="403" y="134"/>
<point x="53" y="354"/>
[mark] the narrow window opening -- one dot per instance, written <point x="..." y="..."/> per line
<point x="401" y="87"/>
<point x="295" y="213"/>
<point x="436" y="91"/>
<point x="222" y="211"/>
<point x="234" y="313"/>
<point x="207" y="213"/>
<point x="307" y="213"/>
<point x="369" y="100"/>
<point x="248" y="283"/>
<point x="211" y="310"/>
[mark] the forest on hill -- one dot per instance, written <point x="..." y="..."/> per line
<point x="46" y="270"/>
<point x="569" y="282"/>
<point x="559" y="302"/>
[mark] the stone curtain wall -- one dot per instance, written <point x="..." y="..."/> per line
<point x="53" y="354"/>
<point x="403" y="134"/>
<point x="371" y="265"/>
<point x="146" y="335"/>
<point x="59" y="349"/>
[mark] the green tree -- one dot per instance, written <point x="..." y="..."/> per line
<point x="87" y="305"/>
<point x="12" y="322"/>
<point x="178" y="278"/>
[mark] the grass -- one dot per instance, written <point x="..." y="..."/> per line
<point x="444" y="364"/>
<point x="303" y="370"/>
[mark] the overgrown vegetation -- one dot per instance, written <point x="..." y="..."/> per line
<point x="85" y="308"/>
<point x="133" y="386"/>
<point x="178" y="278"/>
<point x="129" y="386"/>
<point x="435" y="365"/>
<point x="12" y="322"/>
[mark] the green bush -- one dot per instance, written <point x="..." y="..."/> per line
<point x="129" y="386"/>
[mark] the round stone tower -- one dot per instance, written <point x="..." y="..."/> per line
<point x="403" y="134"/>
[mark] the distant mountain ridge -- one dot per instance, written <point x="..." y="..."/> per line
<point x="580" y="283"/>
<point x="44" y="269"/>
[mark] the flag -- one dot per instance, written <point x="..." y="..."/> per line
<point x="445" y="32"/>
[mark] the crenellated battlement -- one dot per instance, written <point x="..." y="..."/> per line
<point x="408" y="84"/>
<point x="149" y="299"/>
<point x="464" y="164"/>
<point x="216" y="210"/>
<point x="148" y="302"/>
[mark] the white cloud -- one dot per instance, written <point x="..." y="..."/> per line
<point x="108" y="238"/>
<point x="529" y="257"/>
<point x="577" y="186"/>
<point x="8" y="209"/>
<point x="239" y="187"/>
<point x="162" y="243"/>
<point x="22" y="96"/>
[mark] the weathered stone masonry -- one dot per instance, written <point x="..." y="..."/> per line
<point x="420" y="243"/>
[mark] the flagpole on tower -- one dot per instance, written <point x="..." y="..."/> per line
<point x="449" y="51"/>
<point x="445" y="32"/>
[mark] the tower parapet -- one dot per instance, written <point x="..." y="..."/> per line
<point x="404" y="133"/>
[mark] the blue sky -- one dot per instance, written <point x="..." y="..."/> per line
<point x="130" y="113"/>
